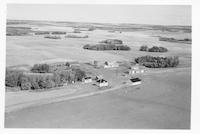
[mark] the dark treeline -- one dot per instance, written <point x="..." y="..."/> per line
<point x="108" y="44"/>
<point x="153" y="49"/>
<point x="41" y="78"/>
<point x="106" y="47"/>
<point x="185" y="40"/>
<point x="42" y="33"/>
<point x="76" y="36"/>
<point x="58" y="32"/>
<point x="40" y="68"/>
<point x="158" y="62"/>
<point x="52" y="37"/>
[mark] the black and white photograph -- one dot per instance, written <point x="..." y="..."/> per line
<point x="98" y="66"/>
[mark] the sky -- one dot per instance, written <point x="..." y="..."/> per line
<point x="137" y="14"/>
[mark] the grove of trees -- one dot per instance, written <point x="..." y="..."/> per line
<point x="58" y="32"/>
<point x="153" y="49"/>
<point x="42" y="33"/>
<point x="144" y="48"/>
<point x="157" y="62"/>
<point x="106" y="47"/>
<point x="52" y="37"/>
<point x="40" y="78"/>
<point x="109" y="44"/>
<point x="40" y="68"/>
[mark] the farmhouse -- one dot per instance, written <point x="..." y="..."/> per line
<point x="135" y="81"/>
<point x="102" y="83"/>
<point x="87" y="79"/>
<point x="136" y="69"/>
<point x="110" y="64"/>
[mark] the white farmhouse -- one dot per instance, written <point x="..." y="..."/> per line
<point x="136" y="69"/>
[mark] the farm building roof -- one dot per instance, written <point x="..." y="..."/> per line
<point x="88" y="78"/>
<point x="101" y="81"/>
<point x="135" y="79"/>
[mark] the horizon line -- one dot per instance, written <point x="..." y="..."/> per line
<point x="98" y="22"/>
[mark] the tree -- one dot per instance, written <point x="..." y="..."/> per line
<point x="87" y="46"/>
<point x="13" y="78"/>
<point x="40" y="68"/>
<point x="67" y="64"/>
<point x="56" y="79"/>
<point x="79" y="74"/>
<point x="49" y="82"/>
<point x="106" y="63"/>
<point x="25" y="83"/>
<point x="144" y="48"/>
<point x="34" y="82"/>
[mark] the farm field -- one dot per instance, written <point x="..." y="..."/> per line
<point x="161" y="101"/>
<point x="33" y="49"/>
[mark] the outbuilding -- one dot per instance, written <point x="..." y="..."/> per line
<point x="102" y="83"/>
<point x="87" y="79"/>
<point x="136" y="81"/>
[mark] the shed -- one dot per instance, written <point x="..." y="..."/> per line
<point x="87" y="79"/>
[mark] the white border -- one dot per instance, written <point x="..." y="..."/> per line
<point x="144" y="2"/>
<point x="195" y="64"/>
